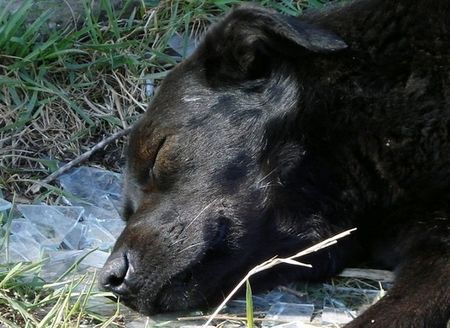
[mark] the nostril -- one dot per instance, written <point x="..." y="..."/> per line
<point x="113" y="275"/>
<point x="115" y="280"/>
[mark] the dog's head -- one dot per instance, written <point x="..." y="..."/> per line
<point x="216" y="151"/>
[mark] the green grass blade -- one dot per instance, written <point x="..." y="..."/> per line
<point x="4" y="80"/>
<point x="112" y="18"/>
<point x="74" y="265"/>
<point x="19" y="307"/>
<point x="31" y="34"/>
<point x="8" y="323"/>
<point x="91" y="24"/>
<point x="39" y="50"/>
<point x="249" y="305"/>
<point x="108" y="323"/>
<point x="14" y="23"/>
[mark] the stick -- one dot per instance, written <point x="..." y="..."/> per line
<point x="371" y="274"/>
<point x="243" y="318"/>
<point x="83" y="157"/>
<point x="226" y="317"/>
<point x="292" y="291"/>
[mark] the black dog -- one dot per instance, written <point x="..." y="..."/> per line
<point x="279" y="132"/>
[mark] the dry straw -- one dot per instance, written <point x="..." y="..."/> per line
<point x="275" y="261"/>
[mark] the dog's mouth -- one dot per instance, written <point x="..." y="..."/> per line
<point x="198" y="278"/>
<point x="200" y="285"/>
<point x="182" y="292"/>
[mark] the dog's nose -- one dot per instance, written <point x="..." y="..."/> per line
<point x="114" y="274"/>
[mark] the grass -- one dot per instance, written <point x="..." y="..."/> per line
<point x="28" y="301"/>
<point x="62" y="94"/>
<point x="249" y="304"/>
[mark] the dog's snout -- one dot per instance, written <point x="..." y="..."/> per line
<point x="115" y="275"/>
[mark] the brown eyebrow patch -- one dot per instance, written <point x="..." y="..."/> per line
<point x="165" y="165"/>
<point x="148" y="147"/>
<point x="145" y="144"/>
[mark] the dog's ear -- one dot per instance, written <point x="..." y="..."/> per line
<point x="250" y="38"/>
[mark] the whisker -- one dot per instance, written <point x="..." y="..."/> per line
<point x="267" y="175"/>
<point x="190" y="223"/>
<point x="198" y="215"/>
<point x="277" y="184"/>
<point x="191" y="246"/>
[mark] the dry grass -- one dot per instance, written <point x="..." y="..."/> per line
<point x="93" y="85"/>
<point x="60" y="97"/>
<point x="267" y="265"/>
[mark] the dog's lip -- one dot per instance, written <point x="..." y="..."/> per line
<point x="168" y="297"/>
<point x="186" y="280"/>
<point x="178" y="280"/>
<point x="150" y="306"/>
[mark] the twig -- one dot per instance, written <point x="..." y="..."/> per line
<point x="371" y="274"/>
<point x="292" y="291"/>
<point x="223" y="317"/>
<point x="275" y="261"/>
<point x="83" y="157"/>
<point x="227" y="318"/>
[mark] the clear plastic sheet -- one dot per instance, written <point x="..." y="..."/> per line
<point x="60" y="235"/>
<point x="4" y="205"/>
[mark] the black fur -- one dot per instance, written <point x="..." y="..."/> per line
<point x="278" y="133"/>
